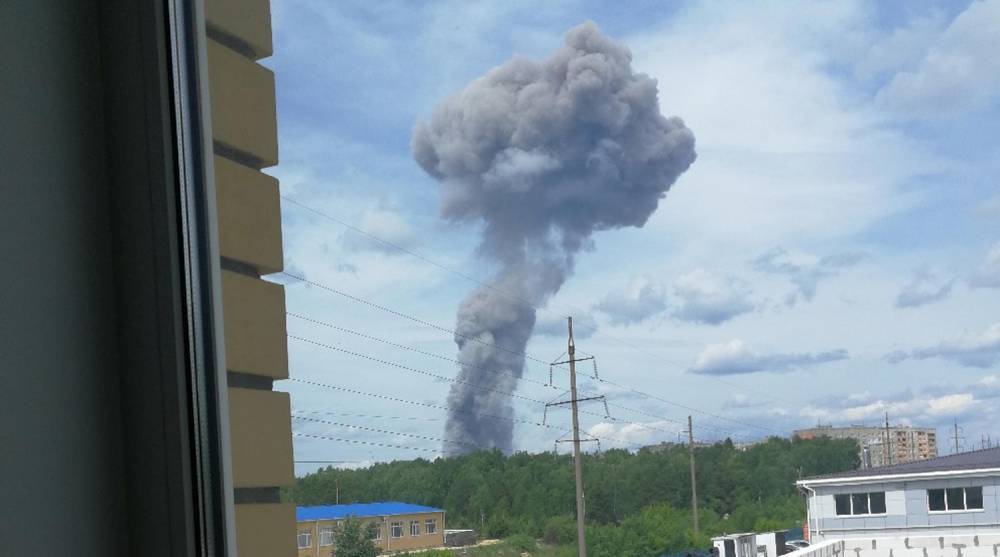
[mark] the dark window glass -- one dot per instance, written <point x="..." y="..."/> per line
<point x="956" y="498"/>
<point x="860" y="502"/>
<point x="843" y="504"/>
<point x="974" y="498"/>
<point x="876" y="502"/>
<point x="935" y="499"/>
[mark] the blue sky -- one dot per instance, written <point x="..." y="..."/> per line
<point x="832" y="255"/>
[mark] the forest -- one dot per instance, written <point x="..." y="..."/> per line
<point x="638" y="503"/>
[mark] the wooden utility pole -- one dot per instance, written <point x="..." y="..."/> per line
<point x="694" y="481"/>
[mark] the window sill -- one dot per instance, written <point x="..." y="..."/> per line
<point x="958" y="511"/>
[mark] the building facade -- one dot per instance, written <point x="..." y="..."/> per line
<point x="399" y="526"/>
<point x="880" y="446"/>
<point x="946" y="496"/>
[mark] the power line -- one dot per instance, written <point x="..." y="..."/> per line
<point x="502" y="292"/>
<point x="368" y="443"/>
<point x="475" y="386"/>
<point x="412" y="349"/>
<point x="446" y="409"/>
<point x="377" y="430"/>
<point x="400" y="314"/>
<point x="372" y="416"/>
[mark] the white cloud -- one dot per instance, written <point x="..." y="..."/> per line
<point x="903" y="49"/>
<point x="988" y="274"/>
<point x="960" y="72"/>
<point x="804" y="270"/>
<point x="642" y="299"/>
<point x="734" y="357"/>
<point x="709" y="299"/>
<point x="925" y="287"/>
<point x="971" y="350"/>
<point x="383" y="229"/>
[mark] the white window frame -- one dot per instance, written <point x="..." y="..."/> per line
<point x="850" y="500"/>
<point x="965" y="500"/>
<point x="414" y="527"/>
<point x="326" y="530"/>
<point x="392" y="530"/>
<point x="431" y="526"/>
<point x="308" y="536"/>
<point x="378" y="530"/>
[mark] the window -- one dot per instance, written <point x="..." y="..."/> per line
<point x="853" y="504"/>
<point x="955" y="499"/>
<point x="430" y="526"/>
<point x="414" y="527"/>
<point x="396" y="530"/>
<point x="376" y="531"/>
<point x="876" y="502"/>
<point x="305" y="539"/>
<point x="326" y="535"/>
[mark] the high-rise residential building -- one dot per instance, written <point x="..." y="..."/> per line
<point x="882" y="446"/>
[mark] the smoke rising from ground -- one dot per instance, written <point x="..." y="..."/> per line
<point x="543" y="154"/>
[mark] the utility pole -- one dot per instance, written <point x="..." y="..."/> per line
<point x="694" y="481"/>
<point x="956" y="437"/>
<point x="581" y="504"/>
<point x="581" y="509"/>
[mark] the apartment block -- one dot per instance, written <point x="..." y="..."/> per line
<point x="880" y="446"/>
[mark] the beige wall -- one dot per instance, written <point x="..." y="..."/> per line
<point x="386" y="543"/>
<point x="245" y="140"/>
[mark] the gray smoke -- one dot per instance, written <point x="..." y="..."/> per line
<point x="543" y="154"/>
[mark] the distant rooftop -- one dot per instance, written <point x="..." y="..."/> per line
<point x="359" y="510"/>
<point x="972" y="460"/>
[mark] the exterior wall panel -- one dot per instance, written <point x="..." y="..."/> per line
<point x="261" y="438"/>
<point x="254" y="314"/>
<point x="244" y="119"/>
<point x="249" y="216"/>
<point x="265" y="530"/>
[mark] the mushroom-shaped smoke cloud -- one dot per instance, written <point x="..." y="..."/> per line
<point x="544" y="154"/>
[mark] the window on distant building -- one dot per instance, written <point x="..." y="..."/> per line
<point x="955" y="499"/>
<point x="430" y="526"/>
<point x="853" y="504"/>
<point x="396" y="530"/>
<point x="414" y="527"/>
<point x="326" y="535"/>
<point x="305" y="539"/>
<point x="377" y="531"/>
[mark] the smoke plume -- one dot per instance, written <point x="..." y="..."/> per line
<point x="543" y="154"/>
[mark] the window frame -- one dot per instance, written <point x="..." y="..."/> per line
<point x="850" y="502"/>
<point x="965" y="500"/>
<point x="414" y="526"/>
<point x="378" y="530"/>
<point x="432" y="522"/>
<point x="330" y="530"/>
<point x="392" y="530"/>
<point x="298" y="539"/>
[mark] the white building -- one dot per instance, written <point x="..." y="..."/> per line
<point x="956" y="495"/>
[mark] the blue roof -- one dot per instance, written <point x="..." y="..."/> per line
<point x="360" y="510"/>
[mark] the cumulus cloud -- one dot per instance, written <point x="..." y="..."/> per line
<point x="636" y="433"/>
<point x="642" y="299"/>
<point x="702" y="297"/>
<point x="804" y="270"/>
<point x="988" y="274"/>
<point x="959" y="72"/>
<point x="925" y="287"/>
<point x="552" y="325"/>
<point x="971" y="350"/>
<point x="379" y="224"/>
<point x="734" y="357"/>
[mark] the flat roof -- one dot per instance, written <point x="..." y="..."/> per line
<point x="360" y="510"/>
<point x="982" y="459"/>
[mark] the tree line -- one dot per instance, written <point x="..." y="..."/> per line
<point x="644" y="494"/>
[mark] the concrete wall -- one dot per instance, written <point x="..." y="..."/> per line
<point x="906" y="510"/>
<point x="386" y="543"/>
